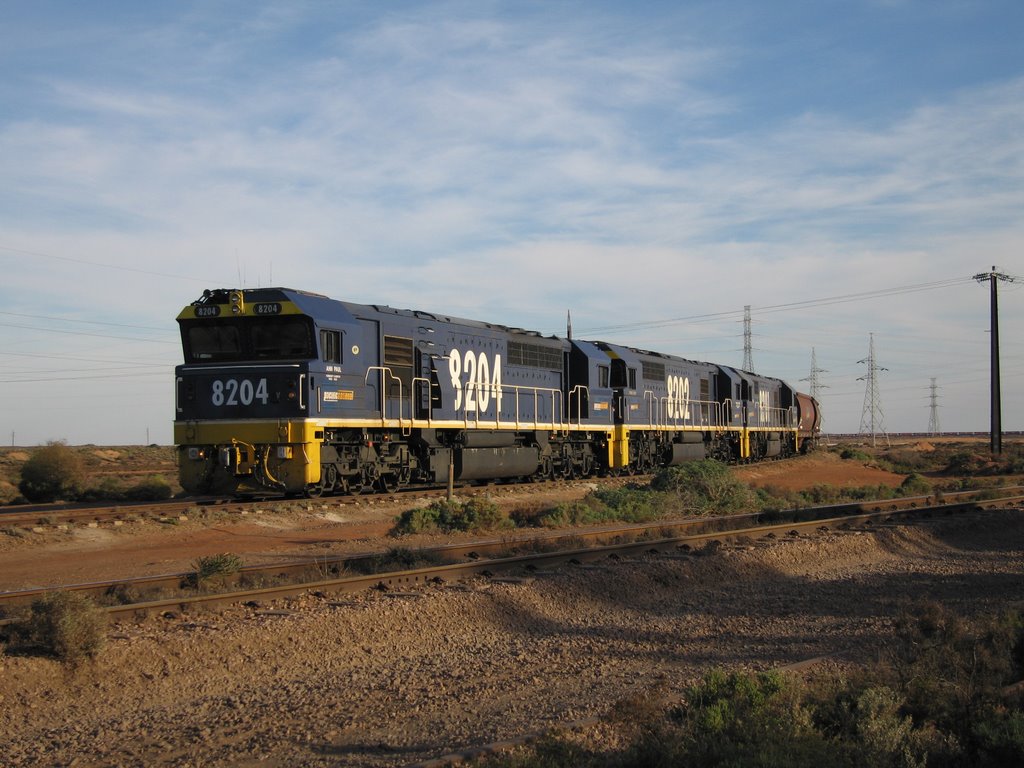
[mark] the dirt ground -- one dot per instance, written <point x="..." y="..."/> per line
<point x="387" y="680"/>
<point x="819" y="468"/>
<point x="329" y="526"/>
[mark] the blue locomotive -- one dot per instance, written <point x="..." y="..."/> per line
<point x="294" y="392"/>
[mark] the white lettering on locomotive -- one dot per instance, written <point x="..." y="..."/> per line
<point x="238" y="392"/>
<point x="482" y="380"/>
<point x="678" y="397"/>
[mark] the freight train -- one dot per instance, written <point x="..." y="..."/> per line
<point x="293" y="392"/>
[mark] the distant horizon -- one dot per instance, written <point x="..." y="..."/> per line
<point x="824" y="436"/>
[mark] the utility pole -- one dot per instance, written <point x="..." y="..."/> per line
<point x="748" y="349"/>
<point x="993" y="279"/>
<point x="933" y="419"/>
<point x="872" y="400"/>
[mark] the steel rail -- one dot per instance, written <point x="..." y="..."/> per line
<point x="533" y="561"/>
<point x="338" y="564"/>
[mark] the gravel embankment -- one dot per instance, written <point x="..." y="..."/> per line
<point x="384" y="680"/>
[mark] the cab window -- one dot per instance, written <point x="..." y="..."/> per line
<point x="330" y="346"/>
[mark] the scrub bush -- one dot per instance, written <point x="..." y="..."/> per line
<point x="51" y="473"/>
<point x="448" y="516"/>
<point x="66" y="625"/>
<point x="704" y="487"/>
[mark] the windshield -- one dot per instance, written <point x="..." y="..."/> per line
<point x="279" y="338"/>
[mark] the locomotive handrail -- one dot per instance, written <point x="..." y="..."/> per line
<point x="515" y="389"/>
<point x="653" y="404"/>
<point x="412" y="404"/>
<point x="710" y="412"/>
<point x="704" y="420"/>
<point x="555" y="394"/>
<point x="780" y="418"/>
<point x="177" y="394"/>
<point x="579" y="391"/>
<point x="383" y="393"/>
<point x="302" y="391"/>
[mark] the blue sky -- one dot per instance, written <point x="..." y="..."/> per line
<point x="844" y="168"/>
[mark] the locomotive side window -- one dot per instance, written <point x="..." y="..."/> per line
<point x="214" y="342"/>
<point x="603" y="377"/>
<point x="284" y="339"/>
<point x="330" y="346"/>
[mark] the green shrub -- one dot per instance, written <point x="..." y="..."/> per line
<point x="629" y="504"/>
<point x="915" y="485"/>
<point x="66" y="625"/>
<point x="215" y="567"/>
<point x="449" y="516"/>
<point x="632" y="505"/>
<point x="998" y="735"/>
<point x="906" y="461"/>
<point x="734" y="719"/>
<point x="52" y="473"/>
<point x="704" y="487"/>
<point x="855" y="454"/>
<point x="946" y="667"/>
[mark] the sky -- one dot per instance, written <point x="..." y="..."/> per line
<point x="842" y="167"/>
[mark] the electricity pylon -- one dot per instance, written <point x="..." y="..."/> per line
<point x="814" y="380"/>
<point x="748" y="349"/>
<point x="933" y="420"/>
<point x="872" y="414"/>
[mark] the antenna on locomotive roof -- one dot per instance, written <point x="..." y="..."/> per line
<point x="568" y="325"/>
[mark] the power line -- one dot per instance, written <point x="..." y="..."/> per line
<point x="85" y="322"/>
<point x="83" y="378"/>
<point x="136" y="270"/>
<point x="789" y="306"/>
<point x="83" y="333"/>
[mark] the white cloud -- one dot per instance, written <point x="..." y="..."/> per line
<point x="510" y="168"/>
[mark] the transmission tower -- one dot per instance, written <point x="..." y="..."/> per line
<point x="872" y="415"/>
<point x="814" y="379"/>
<point x="748" y="357"/>
<point x="933" y="420"/>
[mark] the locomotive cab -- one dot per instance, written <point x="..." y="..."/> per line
<point x="256" y="367"/>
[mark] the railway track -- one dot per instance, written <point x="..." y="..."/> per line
<point x="135" y="597"/>
<point x="63" y="516"/>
